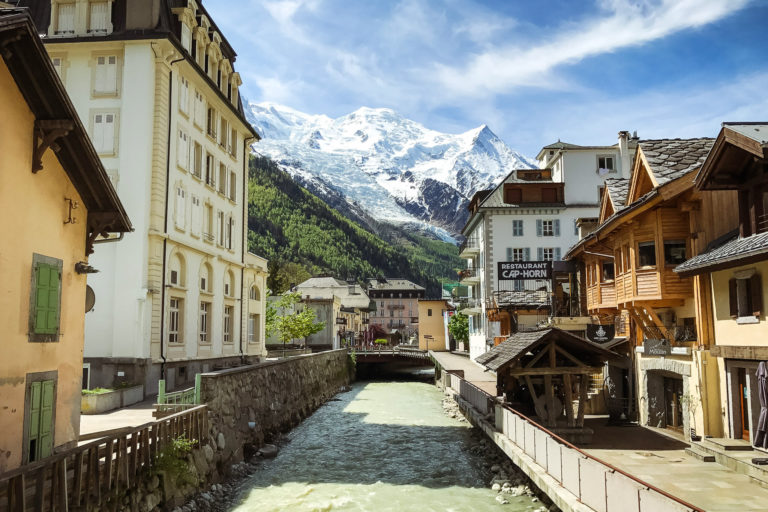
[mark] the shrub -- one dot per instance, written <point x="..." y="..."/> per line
<point x="380" y="341"/>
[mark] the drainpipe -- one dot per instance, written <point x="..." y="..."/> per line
<point x="165" y="220"/>
<point x="244" y="244"/>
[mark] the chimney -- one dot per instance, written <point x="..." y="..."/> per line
<point x="624" y="154"/>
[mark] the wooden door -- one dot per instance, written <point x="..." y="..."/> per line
<point x="673" y="390"/>
<point x="40" y="435"/>
<point x="744" y="403"/>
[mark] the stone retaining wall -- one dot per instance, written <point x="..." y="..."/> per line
<point x="249" y="404"/>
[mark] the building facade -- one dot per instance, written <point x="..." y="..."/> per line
<point x="351" y="317"/>
<point x="156" y="88"/>
<point x="532" y="215"/>
<point x="434" y="315"/>
<point x="396" y="305"/>
<point x="60" y="201"/>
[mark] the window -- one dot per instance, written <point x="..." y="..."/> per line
<point x="105" y="75"/>
<point x="205" y="309"/>
<point x="222" y="179"/>
<point x="211" y="122"/>
<point x="99" y="20"/>
<point x="208" y="224"/>
<point x="66" y="24"/>
<point x="745" y="296"/>
<point x="210" y="170"/>
<point x="195" y="223"/>
<point x="233" y="143"/>
<point x="626" y="255"/>
<point x="198" y="168"/>
<point x="547" y="227"/>
<point x="229" y="284"/>
<point x="608" y="271"/>
<point x="57" y="65"/>
<point x="104" y="133"/>
<point x="45" y="299"/>
<point x="576" y="227"/>
<point x="199" y="109"/>
<point x="429" y="312"/>
<point x="230" y="229"/>
<point x="180" y="210"/>
<point x="518" y="286"/>
<point x="516" y="254"/>
<point x="186" y="37"/>
<point x="220" y="227"/>
<point x="175" y="322"/>
<point x="228" y="312"/>
<point x="174" y="277"/>
<point x="674" y="252"/>
<point x="605" y="164"/>
<point x="254" y="293"/>
<point x="253" y="328"/>
<point x="546" y="254"/>
<point x="40" y="406"/>
<point x="184" y="94"/>
<point x="182" y="150"/>
<point x="232" y="186"/>
<point x="646" y="254"/>
<point x="517" y="228"/>
<point x="223" y="133"/>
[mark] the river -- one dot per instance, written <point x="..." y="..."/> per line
<point x="383" y="446"/>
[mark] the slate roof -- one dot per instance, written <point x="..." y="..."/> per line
<point x="733" y="251"/>
<point x="522" y="298"/>
<point x="393" y="284"/>
<point x="670" y="159"/>
<point x="618" y="188"/>
<point x="518" y="344"/>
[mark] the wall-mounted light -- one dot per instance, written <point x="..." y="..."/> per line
<point x="82" y="267"/>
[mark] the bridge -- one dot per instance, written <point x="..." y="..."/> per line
<point x="387" y="354"/>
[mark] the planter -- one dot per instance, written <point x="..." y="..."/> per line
<point x="103" y="402"/>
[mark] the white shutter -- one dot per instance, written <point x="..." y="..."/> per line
<point x="100" y="79"/>
<point x="99" y="16"/>
<point x="66" y="19"/>
<point x="98" y="132"/>
<point x="182" y="150"/>
<point x="109" y="133"/>
<point x="111" y="78"/>
<point x="186" y="37"/>
<point x="181" y="208"/>
<point x="220" y="227"/>
<point x="228" y="233"/>
<point x="195" y="222"/>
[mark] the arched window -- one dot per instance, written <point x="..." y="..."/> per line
<point x="177" y="271"/>
<point x="205" y="277"/>
<point x="255" y="294"/>
<point x="229" y="284"/>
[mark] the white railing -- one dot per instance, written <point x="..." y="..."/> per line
<point x="597" y="484"/>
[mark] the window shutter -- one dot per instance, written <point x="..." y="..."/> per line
<point x="509" y="254"/>
<point x="195" y="216"/>
<point x="46" y="419"/>
<point x="99" y="16"/>
<point x="756" y="291"/>
<point x="111" y="74"/>
<point x="557" y="254"/>
<point x="47" y="280"/>
<point x="527" y="254"/>
<point x="539" y="254"/>
<point x="98" y="132"/>
<point x="557" y="227"/>
<point x="733" y="298"/>
<point x="538" y="227"/>
<point x="66" y="18"/>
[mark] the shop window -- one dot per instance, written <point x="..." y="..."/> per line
<point x="646" y="254"/>
<point x="674" y="252"/>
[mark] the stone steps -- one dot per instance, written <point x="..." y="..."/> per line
<point x="736" y="456"/>
<point x="698" y="453"/>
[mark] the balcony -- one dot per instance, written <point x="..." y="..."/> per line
<point x="470" y="305"/>
<point x="396" y="306"/>
<point x="470" y="247"/>
<point x="470" y="275"/>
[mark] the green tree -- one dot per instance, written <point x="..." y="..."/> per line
<point x="289" y="321"/>
<point x="458" y="326"/>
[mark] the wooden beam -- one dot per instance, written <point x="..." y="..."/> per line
<point x="655" y="318"/>
<point x="552" y="354"/>
<point x="536" y="359"/>
<point x="570" y="357"/>
<point x="549" y="393"/>
<point x="561" y="370"/>
<point x="583" y="385"/>
<point x="568" y="399"/>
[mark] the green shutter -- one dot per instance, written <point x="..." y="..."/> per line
<point x="46" y="420"/>
<point x="41" y="404"/>
<point x="35" y="392"/>
<point x="46" y="299"/>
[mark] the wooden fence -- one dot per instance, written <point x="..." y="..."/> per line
<point x="98" y="471"/>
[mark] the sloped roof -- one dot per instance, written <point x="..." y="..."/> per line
<point x="396" y="284"/>
<point x="755" y="131"/>
<point x="518" y="344"/>
<point x="734" y="251"/>
<point x="522" y="298"/>
<point x="618" y="188"/>
<point x="670" y="159"/>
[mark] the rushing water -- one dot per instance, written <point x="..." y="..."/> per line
<point x="384" y="446"/>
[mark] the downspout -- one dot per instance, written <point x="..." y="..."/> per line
<point x="244" y="243"/>
<point x="165" y="220"/>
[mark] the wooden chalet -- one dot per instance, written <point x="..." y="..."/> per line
<point x="547" y="373"/>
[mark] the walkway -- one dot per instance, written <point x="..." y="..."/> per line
<point x="653" y="458"/>
<point x="473" y="372"/>
<point x="131" y="416"/>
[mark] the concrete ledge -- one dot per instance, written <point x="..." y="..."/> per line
<point x="103" y="402"/>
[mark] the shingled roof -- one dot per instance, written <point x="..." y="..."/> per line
<point x="618" y="188"/>
<point x="534" y="298"/>
<point x="735" y="252"/>
<point x="670" y="159"/>
<point x="520" y="343"/>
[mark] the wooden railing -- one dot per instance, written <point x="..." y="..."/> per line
<point x="97" y="472"/>
<point x="610" y="489"/>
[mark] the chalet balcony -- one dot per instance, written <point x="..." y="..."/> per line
<point x="651" y="284"/>
<point x="470" y="275"/>
<point x="470" y="247"/>
<point x="601" y="295"/>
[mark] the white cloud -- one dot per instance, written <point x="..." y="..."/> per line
<point x="623" y="24"/>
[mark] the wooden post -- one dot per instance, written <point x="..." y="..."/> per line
<point x="549" y="394"/>
<point x="583" y="385"/>
<point x="40" y="489"/>
<point x="108" y="465"/>
<point x="568" y="399"/>
<point x="17" y="501"/>
<point x="77" y="489"/>
<point x="63" y="501"/>
<point x="134" y="455"/>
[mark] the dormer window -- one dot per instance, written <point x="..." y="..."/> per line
<point x="186" y="39"/>
<point x="66" y="19"/>
<point x="99" y="18"/>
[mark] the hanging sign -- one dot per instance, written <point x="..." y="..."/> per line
<point x="656" y="347"/>
<point x="522" y="270"/>
<point x="600" y="333"/>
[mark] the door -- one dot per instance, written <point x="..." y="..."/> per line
<point x="673" y="390"/>
<point x="40" y="432"/>
<point x="743" y="403"/>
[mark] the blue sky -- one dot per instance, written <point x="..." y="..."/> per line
<point x="534" y="71"/>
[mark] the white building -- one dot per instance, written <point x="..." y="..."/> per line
<point x="156" y="87"/>
<point x="349" y="320"/>
<point x="532" y="215"/>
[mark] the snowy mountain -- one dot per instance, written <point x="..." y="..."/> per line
<point x="383" y="165"/>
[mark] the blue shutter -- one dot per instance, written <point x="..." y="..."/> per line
<point x="557" y="254"/>
<point x="509" y="254"/>
<point x="538" y="227"/>
<point x="521" y="229"/>
<point x="557" y="227"/>
<point x="527" y="254"/>
<point x="539" y="254"/>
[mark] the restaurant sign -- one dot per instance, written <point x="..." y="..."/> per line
<point x="600" y="333"/>
<point x="341" y="321"/>
<point x="522" y="270"/>
<point x="656" y="347"/>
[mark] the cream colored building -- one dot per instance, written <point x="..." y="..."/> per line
<point x="56" y="204"/>
<point x="433" y="324"/>
<point x="156" y="88"/>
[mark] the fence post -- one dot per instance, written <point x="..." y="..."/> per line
<point x="198" y="383"/>
<point x="161" y="391"/>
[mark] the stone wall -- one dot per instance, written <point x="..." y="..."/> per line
<point x="248" y="405"/>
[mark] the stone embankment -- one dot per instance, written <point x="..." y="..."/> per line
<point x="500" y="473"/>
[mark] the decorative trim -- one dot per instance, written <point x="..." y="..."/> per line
<point x="47" y="131"/>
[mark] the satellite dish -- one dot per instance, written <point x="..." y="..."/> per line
<point x="90" y="298"/>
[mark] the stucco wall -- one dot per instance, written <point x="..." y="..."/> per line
<point x="36" y="209"/>
<point x="727" y="330"/>
<point x="433" y="325"/>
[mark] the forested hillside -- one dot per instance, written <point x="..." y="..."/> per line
<point x="302" y="236"/>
